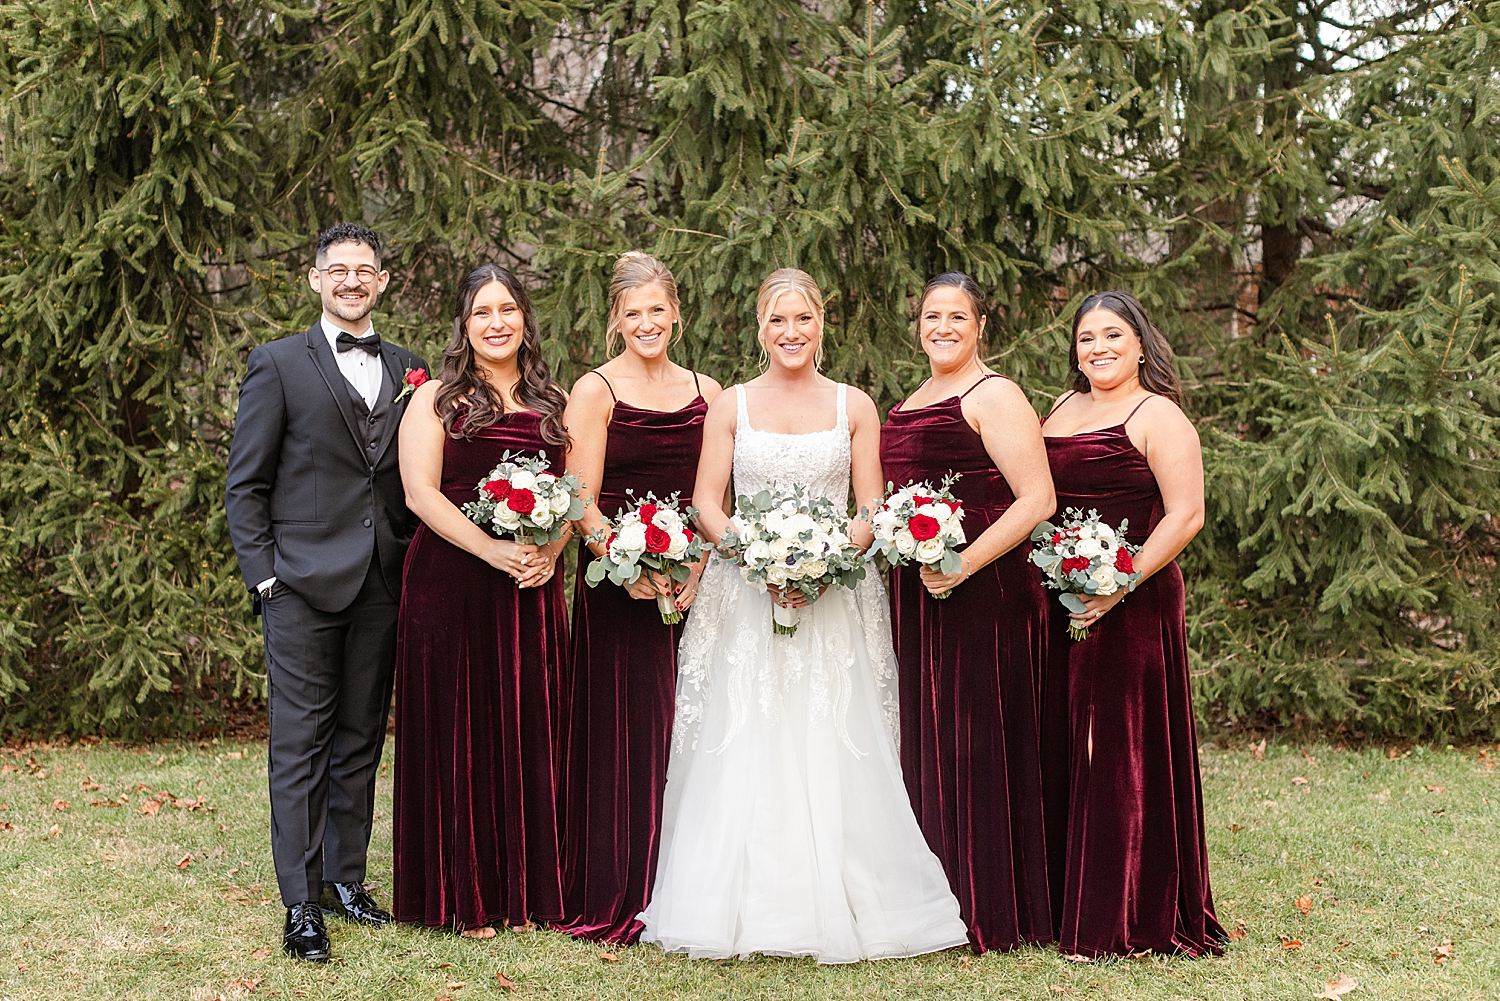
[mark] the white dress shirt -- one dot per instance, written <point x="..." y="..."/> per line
<point x="364" y="372"/>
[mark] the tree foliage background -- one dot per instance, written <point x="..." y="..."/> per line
<point x="1306" y="194"/>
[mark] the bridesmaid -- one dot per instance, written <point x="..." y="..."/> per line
<point x="1126" y="807"/>
<point x="636" y="423"/>
<point x="481" y="636"/>
<point x="972" y="664"/>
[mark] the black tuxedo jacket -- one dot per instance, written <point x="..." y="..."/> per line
<point x="308" y="501"/>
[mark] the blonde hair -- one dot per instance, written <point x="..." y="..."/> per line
<point x="779" y="283"/>
<point x="635" y="270"/>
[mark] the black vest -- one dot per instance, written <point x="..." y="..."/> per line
<point x="372" y="421"/>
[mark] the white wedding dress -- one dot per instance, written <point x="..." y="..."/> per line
<point x="786" y="826"/>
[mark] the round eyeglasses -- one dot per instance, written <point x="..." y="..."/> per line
<point x="364" y="274"/>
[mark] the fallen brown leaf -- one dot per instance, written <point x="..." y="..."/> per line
<point x="60" y="804"/>
<point x="150" y="807"/>
<point x="1368" y="910"/>
<point x="1442" y="953"/>
<point x="1336" y="989"/>
<point x="1291" y="943"/>
<point x="1304" y="904"/>
<point x="105" y="802"/>
<point x="260" y="954"/>
<point x="1433" y="788"/>
<point x="89" y="785"/>
<point x="1259" y="750"/>
<point x="246" y="983"/>
<point x="501" y="980"/>
<point x="609" y="957"/>
<point x="235" y="755"/>
<point x="1309" y="757"/>
<point x="6" y="825"/>
<point x="1298" y="780"/>
<point x="1235" y="828"/>
<point x="161" y="759"/>
<point x="185" y="861"/>
<point x="1236" y="934"/>
<point x="7" y="768"/>
<point x="457" y="984"/>
<point x="1438" y="813"/>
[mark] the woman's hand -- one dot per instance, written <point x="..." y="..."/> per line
<point x="1096" y="607"/>
<point x="687" y="592"/>
<point x="515" y="558"/>
<point x="938" y="582"/>
<point x="647" y="586"/>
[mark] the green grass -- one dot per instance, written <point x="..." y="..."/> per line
<point x="1391" y="868"/>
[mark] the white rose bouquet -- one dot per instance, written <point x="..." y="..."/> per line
<point x="522" y="499"/>
<point x="791" y="541"/>
<point x="1083" y="556"/>
<point x="653" y="534"/>
<point x="920" y="524"/>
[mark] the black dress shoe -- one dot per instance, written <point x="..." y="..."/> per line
<point x="352" y="902"/>
<point x="305" y="937"/>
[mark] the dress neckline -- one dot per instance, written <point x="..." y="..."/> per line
<point x="840" y="422"/>
<point x="647" y="410"/>
<point x="902" y="408"/>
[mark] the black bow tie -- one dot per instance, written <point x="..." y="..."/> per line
<point x="369" y="342"/>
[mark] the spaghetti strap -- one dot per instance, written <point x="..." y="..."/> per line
<point x="1071" y="393"/>
<point x="696" y="387"/>
<point x="1137" y="407"/>
<point x="982" y="379"/>
<point x="607" y="386"/>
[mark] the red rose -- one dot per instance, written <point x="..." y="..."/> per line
<point x="521" y="501"/>
<point x="647" y="512"/>
<point x="498" y="489"/>
<point x="416" y="377"/>
<point x="923" y="527"/>
<point x="1122" y="561"/>
<point x="1057" y="538"/>
<point x="657" y="541"/>
<point x="1075" y="563"/>
<point x="953" y="506"/>
<point x="688" y="533"/>
<point x="921" y="501"/>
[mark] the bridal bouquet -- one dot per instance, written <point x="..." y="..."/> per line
<point x="653" y="534"/>
<point x="920" y="524"/>
<point x="520" y="498"/>
<point x="1083" y="557"/>
<point x="789" y="540"/>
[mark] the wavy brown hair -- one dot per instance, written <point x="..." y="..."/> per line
<point x="1157" y="373"/>
<point x="465" y="388"/>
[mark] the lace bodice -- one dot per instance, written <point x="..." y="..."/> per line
<point x="818" y="460"/>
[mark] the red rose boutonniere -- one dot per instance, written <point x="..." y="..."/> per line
<point x="414" y="377"/>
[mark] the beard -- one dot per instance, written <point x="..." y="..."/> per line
<point x="353" y="312"/>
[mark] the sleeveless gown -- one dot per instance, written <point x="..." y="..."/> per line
<point x="623" y="672"/>
<point x="786" y="829"/>
<point x="478" y="664"/>
<point x="1124" y="800"/>
<point x="971" y="672"/>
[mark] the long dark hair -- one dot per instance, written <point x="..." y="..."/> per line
<point x="966" y="285"/>
<point x="465" y="388"/>
<point x="1157" y="373"/>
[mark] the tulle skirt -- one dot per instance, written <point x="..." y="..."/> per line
<point x="787" y="829"/>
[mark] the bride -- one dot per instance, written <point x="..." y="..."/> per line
<point x="786" y="828"/>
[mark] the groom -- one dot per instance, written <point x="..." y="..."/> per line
<point x="320" y="526"/>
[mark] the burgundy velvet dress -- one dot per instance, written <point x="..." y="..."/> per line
<point x="623" y="691"/>
<point x="1124" y="800"/>
<point x="478" y="669"/>
<point x="971" y="667"/>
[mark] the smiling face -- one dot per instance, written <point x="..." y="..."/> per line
<point x="646" y="318"/>
<point x="792" y="331"/>
<point x="949" y="328"/>
<point x="495" y="326"/>
<point x="349" y="299"/>
<point x="1109" y="349"/>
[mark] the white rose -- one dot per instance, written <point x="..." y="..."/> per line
<point x="776" y="574"/>
<point x="521" y="479"/>
<point x="814" y="569"/>
<point x="773" y="522"/>
<point x="1104" y="579"/>
<point x="545" y="479"/>
<point x="905" y="544"/>
<point x="1085" y="531"/>
<point x="930" y="550"/>
<point x="667" y="520"/>
<point x="632" y="538"/>
<point x="955" y="535"/>
<point x="797" y="524"/>
<point x="560" y="502"/>
<point x="1089" y="548"/>
<point x="542" y="517"/>
<point x="678" y="545"/>
<point x="780" y="550"/>
<point x="505" y="517"/>
<point x="937" y="512"/>
<point x="757" y="552"/>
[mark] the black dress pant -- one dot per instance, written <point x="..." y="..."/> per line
<point x="330" y="676"/>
